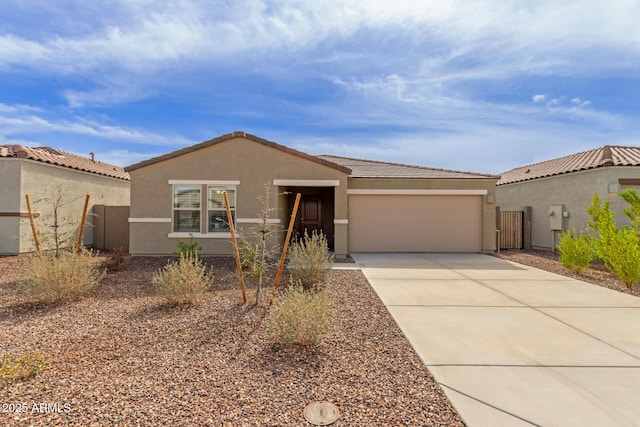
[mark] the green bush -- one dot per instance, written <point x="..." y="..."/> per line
<point x="62" y="278"/>
<point x="183" y="281"/>
<point x="19" y="367"/>
<point x="604" y="224"/>
<point x="300" y="317"/>
<point x="191" y="248"/>
<point x="624" y="258"/>
<point x="309" y="260"/>
<point x="576" y="251"/>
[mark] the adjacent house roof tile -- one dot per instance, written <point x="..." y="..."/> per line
<point x="63" y="158"/>
<point x="375" y="169"/>
<point x="591" y="159"/>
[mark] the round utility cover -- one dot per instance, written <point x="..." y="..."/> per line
<point x="321" y="413"/>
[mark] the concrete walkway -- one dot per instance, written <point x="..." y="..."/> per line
<point x="512" y="345"/>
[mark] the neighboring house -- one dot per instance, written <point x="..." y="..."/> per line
<point x="43" y="173"/>
<point x="360" y="205"/>
<point x="559" y="191"/>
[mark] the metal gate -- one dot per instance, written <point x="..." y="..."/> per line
<point x="511" y="229"/>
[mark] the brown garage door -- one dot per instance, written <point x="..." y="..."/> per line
<point x="415" y="223"/>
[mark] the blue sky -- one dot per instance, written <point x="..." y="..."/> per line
<point x="478" y="85"/>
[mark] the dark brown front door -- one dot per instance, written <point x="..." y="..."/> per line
<point x="310" y="215"/>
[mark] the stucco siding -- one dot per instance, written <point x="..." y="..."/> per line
<point x="43" y="181"/>
<point x="9" y="205"/>
<point x="238" y="159"/>
<point x="575" y="191"/>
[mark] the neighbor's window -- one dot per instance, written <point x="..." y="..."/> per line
<point x="217" y="210"/>
<point x="186" y="208"/>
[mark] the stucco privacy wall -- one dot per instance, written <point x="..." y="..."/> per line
<point x="41" y="181"/>
<point x="9" y="205"/>
<point x="238" y="159"/>
<point x="483" y="184"/>
<point x="573" y="190"/>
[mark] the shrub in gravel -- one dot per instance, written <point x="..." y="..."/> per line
<point x="183" y="281"/>
<point x="309" y="260"/>
<point x="576" y="251"/>
<point x="624" y="257"/>
<point x="51" y="278"/>
<point x="300" y="317"/>
<point x="19" y="367"/>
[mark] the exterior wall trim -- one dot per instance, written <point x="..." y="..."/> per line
<point x="19" y="214"/>
<point x="307" y="182"/>
<point x="202" y="182"/>
<point x="418" y="192"/>
<point x="200" y="235"/>
<point x="257" y="220"/>
<point x="149" y="220"/>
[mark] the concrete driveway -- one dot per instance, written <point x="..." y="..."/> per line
<point x="512" y="345"/>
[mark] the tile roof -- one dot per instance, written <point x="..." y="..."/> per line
<point x="591" y="159"/>
<point x="63" y="158"/>
<point x="361" y="168"/>
<point x="238" y="134"/>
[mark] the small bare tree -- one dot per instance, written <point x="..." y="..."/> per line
<point x="59" y="223"/>
<point x="257" y="251"/>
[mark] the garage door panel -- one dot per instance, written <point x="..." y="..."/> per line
<point x="434" y="223"/>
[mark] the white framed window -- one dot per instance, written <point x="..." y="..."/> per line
<point x="187" y="202"/>
<point x="193" y="217"/>
<point x="217" y="219"/>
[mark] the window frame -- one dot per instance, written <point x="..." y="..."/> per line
<point x="232" y="207"/>
<point x="175" y="209"/>
<point x="203" y="210"/>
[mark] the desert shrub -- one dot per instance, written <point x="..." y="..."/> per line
<point x="624" y="257"/>
<point x="183" y="281"/>
<point x="51" y="278"/>
<point x="300" y="317"/>
<point x="604" y="224"/>
<point x="190" y="249"/>
<point x="309" y="260"/>
<point x="633" y="211"/>
<point x="576" y="251"/>
<point x="115" y="259"/>
<point x="618" y="248"/>
<point x="19" y="367"/>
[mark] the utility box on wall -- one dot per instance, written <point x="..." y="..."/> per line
<point x="555" y="217"/>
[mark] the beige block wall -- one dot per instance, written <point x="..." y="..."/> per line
<point x="575" y="191"/>
<point x="488" y="201"/>
<point x="9" y="203"/>
<point x="42" y="181"/>
<point x="238" y="159"/>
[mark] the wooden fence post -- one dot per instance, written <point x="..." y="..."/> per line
<point x="33" y="224"/>
<point x="235" y="247"/>
<point x="84" y="217"/>
<point x="285" y="246"/>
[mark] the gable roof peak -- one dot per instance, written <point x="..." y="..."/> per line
<point x="234" y="135"/>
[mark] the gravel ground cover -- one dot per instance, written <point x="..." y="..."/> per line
<point x="548" y="260"/>
<point x="121" y="356"/>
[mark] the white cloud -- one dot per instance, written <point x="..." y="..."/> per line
<point x="146" y="36"/>
<point x="124" y="157"/>
<point x="20" y="120"/>
<point x="539" y="98"/>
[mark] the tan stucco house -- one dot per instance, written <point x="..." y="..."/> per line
<point x="43" y="173"/>
<point x="559" y="191"/>
<point x="360" y="205"/>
